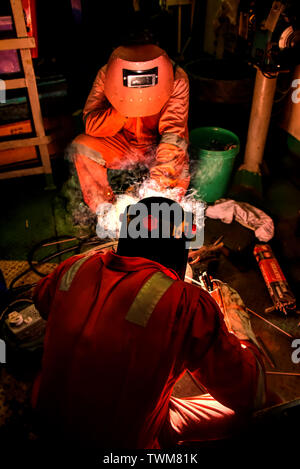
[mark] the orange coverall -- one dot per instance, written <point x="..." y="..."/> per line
<point x="116" y="343"/>
<point x="114" y="141"/>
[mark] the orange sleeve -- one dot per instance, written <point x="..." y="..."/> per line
<point x="101" y="119"/>
<point x="171" y="163"/>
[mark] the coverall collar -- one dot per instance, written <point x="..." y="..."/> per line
<point x="130" y="264"/>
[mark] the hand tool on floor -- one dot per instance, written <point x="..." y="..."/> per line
<point x="280" y="292"/>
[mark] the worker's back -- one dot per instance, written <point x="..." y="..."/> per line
<point x="109" y="366"/>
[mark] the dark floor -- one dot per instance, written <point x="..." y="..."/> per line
<point x="30" y="214"/>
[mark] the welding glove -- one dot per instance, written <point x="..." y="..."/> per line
<point x="235" y="316"/>
<point x="131" y="190"/>
<point x="151" y="188"/>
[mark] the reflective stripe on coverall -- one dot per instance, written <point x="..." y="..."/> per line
<point x="109" y="364"/>
<point x="113" y="141"/>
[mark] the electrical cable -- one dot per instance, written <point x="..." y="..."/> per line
<point x="35" y="270"/>
<point x="13" y="291"/>
<point x="33" y="266"/>
<point x="54" y="241"/>
<point x="47" y="242"/>
<point x="14" y="280"/>
<point x="82" y="242"/>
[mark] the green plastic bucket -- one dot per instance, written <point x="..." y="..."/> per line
<point x="214" y="150"/>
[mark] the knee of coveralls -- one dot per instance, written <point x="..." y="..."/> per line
<point x="88" y="158"/>
<point x="92" y="156"/>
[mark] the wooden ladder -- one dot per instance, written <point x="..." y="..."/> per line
<point x="24" y="43"/>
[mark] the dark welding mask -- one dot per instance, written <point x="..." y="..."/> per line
<point x="158" y="229"/>
<point x="139" y="80"/>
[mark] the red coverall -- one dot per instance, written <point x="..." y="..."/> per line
<point x="108" y="381"/>
<point x="114" y="141"/>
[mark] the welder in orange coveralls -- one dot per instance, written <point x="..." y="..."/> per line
<point x="122" y="328"/>
<point x="135" y="114"/>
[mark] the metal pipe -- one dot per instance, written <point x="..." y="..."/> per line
<point x="261" y="109"/>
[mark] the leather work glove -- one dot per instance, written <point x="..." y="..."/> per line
<point x="109" y="195"/>
<point x="232" y="306"/>
<point x="131" y="190"/>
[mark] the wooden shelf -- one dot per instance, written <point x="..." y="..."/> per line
<point x="21" y="172"/>
<point x="23" y="43"/>
<point x="13" y="84"/>
<point x="25" y="142"/>
<point x="17" y="43"/>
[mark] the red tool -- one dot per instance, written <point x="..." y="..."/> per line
<point x="280" y="292"/>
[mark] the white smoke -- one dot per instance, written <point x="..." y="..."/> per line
<point x="109" y="216"/>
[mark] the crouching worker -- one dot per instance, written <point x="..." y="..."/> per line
<point x="123" y="327"/>
<point x="135" y="115"/>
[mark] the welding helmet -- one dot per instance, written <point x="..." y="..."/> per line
<point x="139" y="80"/>
<point x="158" y="229"/>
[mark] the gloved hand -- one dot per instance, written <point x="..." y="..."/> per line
<point x="151" y="188"/>
<point x="232" y="306"/>
<point x="131" y="190"/>
<point x="109" y="195"/>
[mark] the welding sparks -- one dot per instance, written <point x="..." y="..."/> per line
<point x="109" y="216"/>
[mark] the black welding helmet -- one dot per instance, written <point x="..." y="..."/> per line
<point x="158" y="229"/>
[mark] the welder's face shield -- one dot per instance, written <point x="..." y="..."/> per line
<point x="158" y="229"/>
<point x="139" y="80"/>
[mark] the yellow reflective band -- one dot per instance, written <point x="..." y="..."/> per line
<point x="147" y="298"/>
<point x="68" y="277"/>
<point x="80" y="148"/>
